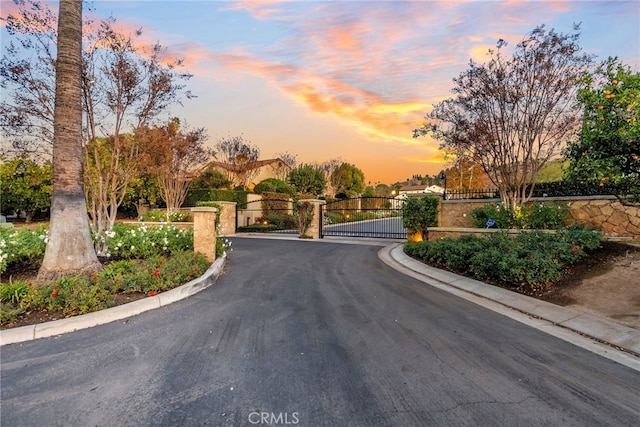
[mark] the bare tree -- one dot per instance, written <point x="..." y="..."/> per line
<point x="69" y="249"/>
<point x="175" y="156"/>
<point x="28" y="81"/>
<point x="123" y="86"/>
<point x="512" y="115"/>
<point x="328" y="167"/>
<point x="238" y="159"/>
<point x="289" y="161"/>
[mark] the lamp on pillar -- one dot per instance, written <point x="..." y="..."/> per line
<point x="443" y="176"/>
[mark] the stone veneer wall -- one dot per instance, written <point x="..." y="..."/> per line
<point x="605" y="213"/>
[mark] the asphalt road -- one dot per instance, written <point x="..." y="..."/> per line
<point x="306" y="333"/>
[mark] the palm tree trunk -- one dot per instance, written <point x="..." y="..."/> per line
<point x="69" y="249"/>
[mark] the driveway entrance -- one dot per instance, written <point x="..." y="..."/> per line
<point x="376" y="217"/>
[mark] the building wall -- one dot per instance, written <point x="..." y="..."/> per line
<point x="604" y="213"/>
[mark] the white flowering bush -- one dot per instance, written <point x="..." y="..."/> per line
<point x="223" y="246"/>
<point x="127" y="241"/>
<point x="161" y="215"/>
<point x="22" y="245"/>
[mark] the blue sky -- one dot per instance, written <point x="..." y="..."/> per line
<point x="348" y="79"/>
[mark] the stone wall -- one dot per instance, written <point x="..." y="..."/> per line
<point x="605" y="213"/>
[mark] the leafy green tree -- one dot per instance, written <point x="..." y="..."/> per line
<point x="347" y="180"/>
<point x="174" y="155"/>
<point x="26" y="186"/>
<point x="308" y="179"/>
<point x="274" y="185"/>
<point x="608" y="151"/>
<point x="143" y="190"/>
<point x="369" y="192"/>
<point x="383" y="190"/>
<point x="211" y="177"/>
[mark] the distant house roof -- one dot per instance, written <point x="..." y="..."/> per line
<point x="427" y="189"/>
<point x="412" y="188"/>
<point x="243" y="167"/>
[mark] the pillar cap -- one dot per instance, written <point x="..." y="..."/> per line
<point x="204" y="209"/>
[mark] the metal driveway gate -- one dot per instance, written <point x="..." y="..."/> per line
<point x="378" y="217"/>
<point x="267" y="216"/>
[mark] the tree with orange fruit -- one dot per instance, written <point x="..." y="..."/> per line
<point x="607" y="154"/>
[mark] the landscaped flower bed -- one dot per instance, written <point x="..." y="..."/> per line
<point x="141" y="261"/>
<point x="529" y="261"/>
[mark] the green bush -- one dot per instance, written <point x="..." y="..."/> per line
<point x="130" y="241"/>
<point x="501" y="216"/>
<point x="546" y="217"/>
<point x="282" y="221"/>
<point x="274" y="185"/>
<point x="84" y="294"/>
<point x="335" y="218"/>
<point x="13" y="292"/>
<point x="162" y="215"/>
<point x="419" y="213"/>
<point x="536" y="216"/>
<point x="22" y="246"/>
<point x="195" y="195"/>
<point x="530" y="260"/>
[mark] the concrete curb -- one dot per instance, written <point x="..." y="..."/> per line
<point x="597" y="328"/>
<point x="89" y="320"/>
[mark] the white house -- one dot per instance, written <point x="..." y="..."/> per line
<point x="419" y="190"/>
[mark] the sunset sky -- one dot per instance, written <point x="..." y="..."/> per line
<point x="348" y="79"/>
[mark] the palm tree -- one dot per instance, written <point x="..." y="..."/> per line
<point x="69" y="249"/>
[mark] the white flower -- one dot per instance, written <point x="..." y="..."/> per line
<point x="132" y="247"/>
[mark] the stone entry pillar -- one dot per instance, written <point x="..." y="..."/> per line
<point x="227" y="218"/>
<point x="313" y="232"/>
<point x="204" y="231"/>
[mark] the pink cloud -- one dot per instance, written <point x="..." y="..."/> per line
<point x="261" y="10"/>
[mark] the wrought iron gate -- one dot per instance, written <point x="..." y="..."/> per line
<point x="378" y="217"/>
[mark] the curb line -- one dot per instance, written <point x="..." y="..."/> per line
<point x="89" y="320"/>
<point x="593" y="327"/>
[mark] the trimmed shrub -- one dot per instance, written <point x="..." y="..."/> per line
<point x="419" y="213"/>
<point x="536" y="216"/>
<point x="530" y="261"/>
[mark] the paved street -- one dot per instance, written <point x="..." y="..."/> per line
<point x="307" y="333"/>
